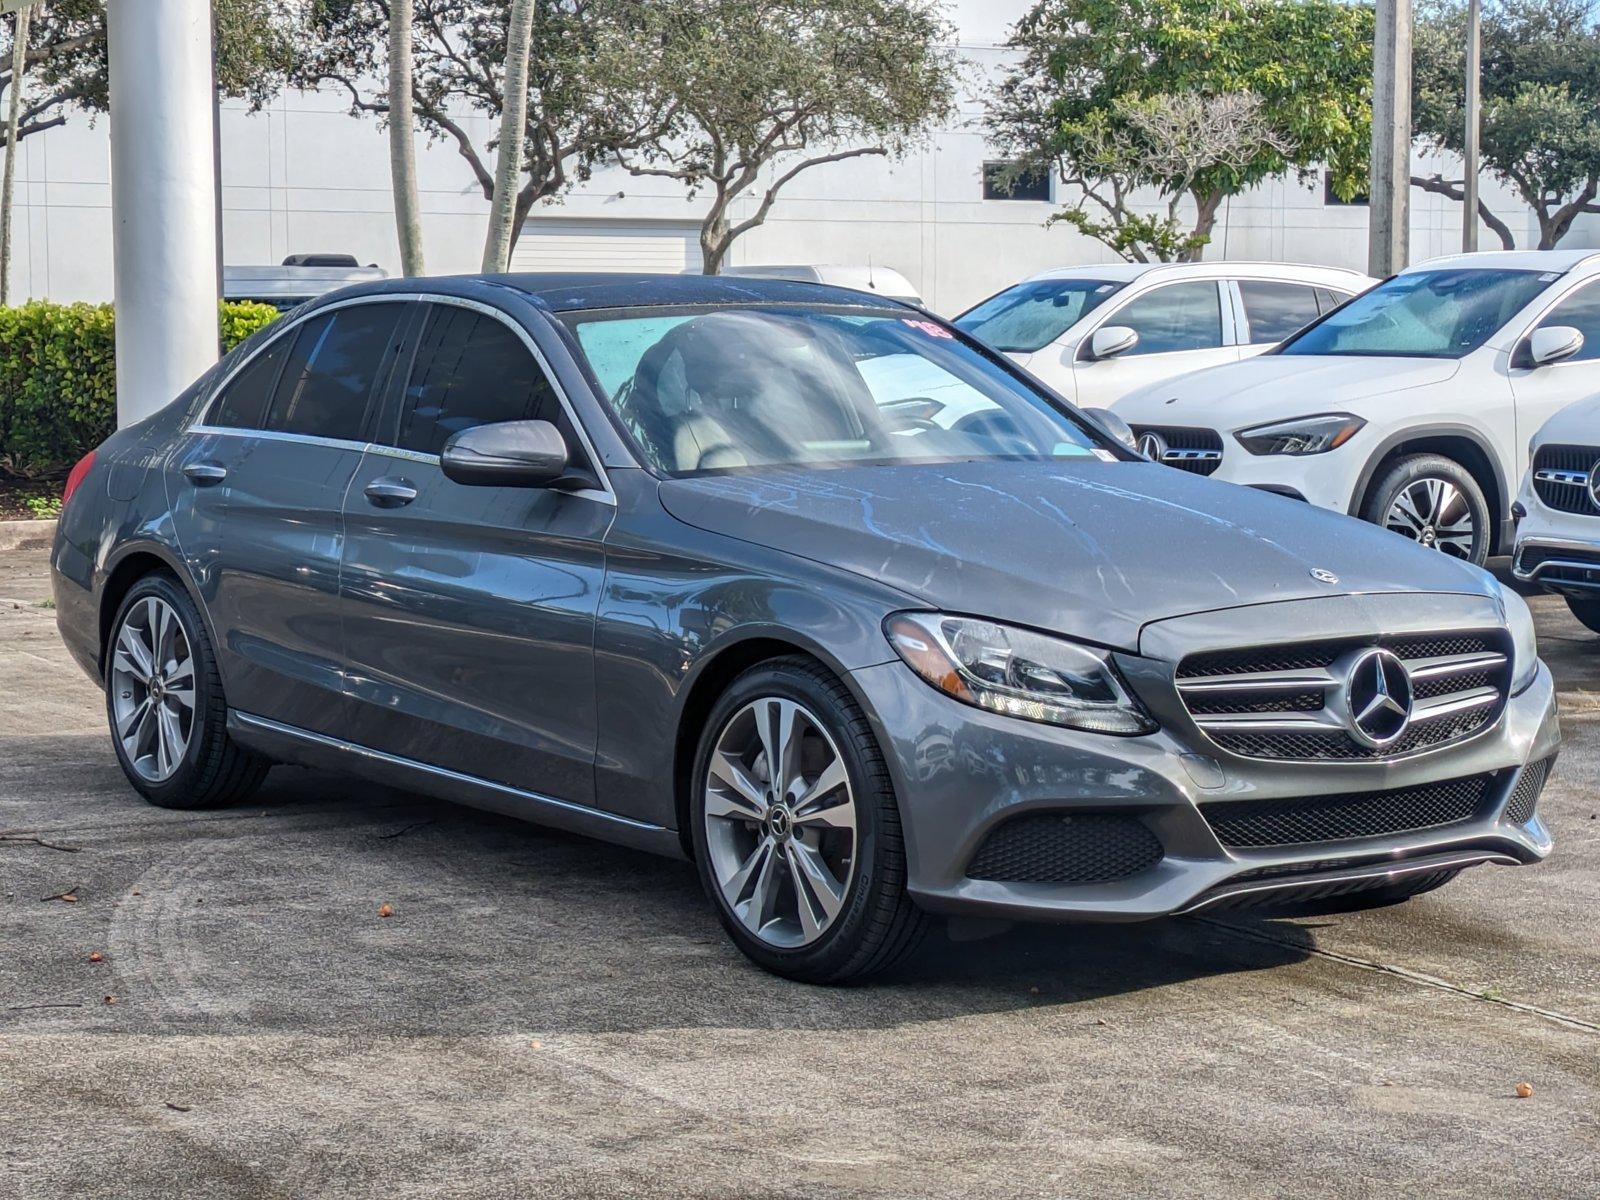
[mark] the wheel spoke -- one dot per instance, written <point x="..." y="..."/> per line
<point x="742" y="795"/>
<point x="181" y="696"/>
<point x="780" y="738"/>
<point x="818" y="895"/>
<point x="133" y="655"/>
<point x="1405" y="507"/>
<point x="171" y="739"/>
<point x="145" y="736"/>
<point x="129" y="723"/>
<point x="183" y="672"/>
<point x="832" y="778"/>
<point x="763" y="902"/>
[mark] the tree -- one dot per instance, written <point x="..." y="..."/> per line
<point x="508" y="164"/>
<point x="789" y="85"/>
<point x="1541" y="106"/>
<point x="403" y="142"/>
<point x="1192" y="101"/>
<point x="8" y="184"/>
<point x="591" y="88"/>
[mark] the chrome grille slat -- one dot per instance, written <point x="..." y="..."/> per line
<point x="1561" y="477"/>
<point x="1459" y="682"/>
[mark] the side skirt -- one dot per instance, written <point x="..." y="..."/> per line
<point x="287" y="743"/>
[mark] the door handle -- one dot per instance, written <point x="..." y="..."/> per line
<point x="204" y="474"/>
<point x="390" y="493"/>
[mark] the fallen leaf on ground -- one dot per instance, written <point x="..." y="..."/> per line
<point x="1524" y="1090"/>
<point x="109" y="1000"/>
<point x="97" y="957"/>
<point x="385" y="910"/>
<point x="177" y="1107"/>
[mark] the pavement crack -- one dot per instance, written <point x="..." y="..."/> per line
<point x="1405" y="973"/>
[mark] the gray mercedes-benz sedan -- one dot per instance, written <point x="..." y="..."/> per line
<point x="799" y="583"/>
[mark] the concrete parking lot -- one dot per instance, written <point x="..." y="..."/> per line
<point x="543" y="1015"/>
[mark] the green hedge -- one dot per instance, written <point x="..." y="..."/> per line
<point x="58" y="379"/>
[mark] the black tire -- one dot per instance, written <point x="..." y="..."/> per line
<point x="214" y="771"/>
<point x="878" y="924"/>
<point x="1405" y="472"/>
<point x="1587" y="612"/>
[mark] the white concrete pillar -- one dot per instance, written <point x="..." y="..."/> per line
<point x="163" y="199"/>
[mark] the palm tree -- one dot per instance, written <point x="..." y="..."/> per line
<point x="513" y="120"/>
<point x="402" y="140"/>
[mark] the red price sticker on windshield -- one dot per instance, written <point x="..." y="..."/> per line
<point x="928" y="327"/>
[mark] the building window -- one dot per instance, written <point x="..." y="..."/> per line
<point x="1032" y="186"/>
<point x="1331" y="197"/>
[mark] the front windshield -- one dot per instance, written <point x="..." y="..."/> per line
<point x="1031" y="315"/>
<point x="1423" y="314"/>
<point x="735" y="388"/>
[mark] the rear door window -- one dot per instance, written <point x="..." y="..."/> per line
<point x="333" y="370"/>
<point x="1275" y="310"/>
<point x="243" y="403"/>
<point x="471" y="369"/>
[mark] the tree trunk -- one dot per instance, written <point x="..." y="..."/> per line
<point x="402" y="140"/>
<point x="714" y="240"/>
<point x="513" y="128"/>
<point x="19" y="62"/>
<point x="1205" y="220"/>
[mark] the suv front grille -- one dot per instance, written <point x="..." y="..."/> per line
<point x="1252" y="824"/>
<point x="1195" y="450"/>
<point x="1578" y="569"/>
<point x="1561" y="478"/>
<point x="1281" y="701"/>
<point x="1059" y="847"/>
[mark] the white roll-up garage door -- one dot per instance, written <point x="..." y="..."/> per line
<point x="549" y="244"/>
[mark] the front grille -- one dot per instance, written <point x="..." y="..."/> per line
<point x="1525" y="796"/>
<point x="1283" y="701"/>
<point x="1252" y="824"/>
<point x="1561" y="478"/>
<point x="1578" y="569"/>
<point x="1066" y="848"/>
<point x="1195" y="450"/>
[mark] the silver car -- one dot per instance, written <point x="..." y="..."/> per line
<point x="800" y="584"/>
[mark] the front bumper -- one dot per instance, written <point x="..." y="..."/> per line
<point x="1557" y="551"/>
<point x="962" y="773"/>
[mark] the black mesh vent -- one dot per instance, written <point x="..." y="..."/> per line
<point x="1580" y="576"/>
<point x="1233" y="702"/>
<point x="1525" y="796"/>
<point x="1255" y="823"/>
<point x="1180" y="438"/>
<point x="1303" y="656"/>
<point x="1566" y="497"/>
<point x="1335" y="745"/>
<point x="1066" y="848"/>
<point x="1444" y="685"/>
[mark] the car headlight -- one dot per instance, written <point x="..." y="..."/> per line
<point x="1524" y="644"/>
<point x="1302" y="435"/>
<point x="1017" y="672"/>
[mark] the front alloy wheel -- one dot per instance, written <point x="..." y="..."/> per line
<point x="780" y="822"/>
<point x="796" y="829"/>
<point x="1434" y="501"/>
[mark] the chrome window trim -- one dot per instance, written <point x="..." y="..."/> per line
<point x="604" y="494"/>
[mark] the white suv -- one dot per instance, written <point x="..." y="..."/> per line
<point x="1096" y="333"/>
<point x="1410" y="406"/>
<point x="1558" y="510"/>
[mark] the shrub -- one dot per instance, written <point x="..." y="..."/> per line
<point x="58" y="379"/>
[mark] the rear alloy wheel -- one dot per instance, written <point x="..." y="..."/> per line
<point x="1587" y="610"/>
<point x="1436" y="503"/>
<point x="165" y="705"/>
<point x="796" y="831"/>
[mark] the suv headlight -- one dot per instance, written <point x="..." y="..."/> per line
<point x="1524" y="645"/>
<point x="1017" y="672"/>
<point x="1302" y="435"/>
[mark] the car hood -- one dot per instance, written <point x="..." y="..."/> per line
<point x="1087" y="548"/>
<point x="1578" y="424"/>
<point x="1279" y="385"/>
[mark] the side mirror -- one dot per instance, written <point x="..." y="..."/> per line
<point x="1114" y="425"/>
<point x="530" y="454"/>
<point x="1111" y="340"/>
<point x="1553" y="344"/>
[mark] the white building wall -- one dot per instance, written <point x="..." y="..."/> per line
<point x="304" y="175"/>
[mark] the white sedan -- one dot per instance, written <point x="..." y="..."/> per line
<point x="1096" y="333"/>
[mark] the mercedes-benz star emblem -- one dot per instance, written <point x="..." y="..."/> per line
<point x="1153" y="446"/>
<point x="1323" y="576"/>
<point x="1594" y="484"/>
<point x="1377" y="698"/>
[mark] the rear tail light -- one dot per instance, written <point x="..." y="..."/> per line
<point x="76" y="477"/>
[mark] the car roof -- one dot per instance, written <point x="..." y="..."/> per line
<point x="1126" y="272"/>
<point x="1512" y="260"/>
<point x="577" y="291"/>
